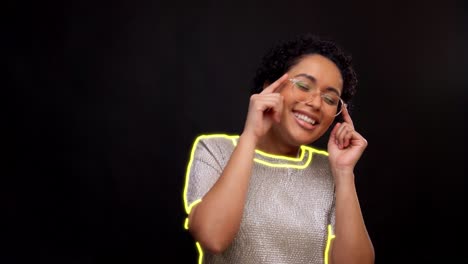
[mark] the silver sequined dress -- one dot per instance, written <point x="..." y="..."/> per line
<point x="290" y="203"/>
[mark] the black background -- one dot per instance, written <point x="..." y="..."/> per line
<point x="109" y="96"/>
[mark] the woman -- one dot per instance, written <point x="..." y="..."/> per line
<point x="266" y="196"/>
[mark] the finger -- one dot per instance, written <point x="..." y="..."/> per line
<point x="270" y="104"/>
<point x="347" y="138"/>
<point x="276" y="106"/>
<point x="272" y="87"/>
<point x="273" y="98"/>
<point x="356" y="140"/>
<point x="258" y="99"/>
<point x="360" y="140"/>
<point x="279" y="109"/>
<point x="339" y="136"/>
<point x="341" y="130"/>
<point x="267" y="104"/>
<point x="342" y="134"/>
<point x="343" y="126"/>
<point x="333" y="133"/>
<point x="347" y="116"/>
<point x="269" y="96"/>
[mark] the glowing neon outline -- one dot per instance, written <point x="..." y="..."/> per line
<point x="186" y="224"/>
<point x="311" y="150"/>
<point x="200" y="253"/>
<point x="330" y="237"/>
<point x="293" y="166"/>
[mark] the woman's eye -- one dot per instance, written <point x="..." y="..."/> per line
<point x="302" y="86"/>
<point x="330" y="99"/>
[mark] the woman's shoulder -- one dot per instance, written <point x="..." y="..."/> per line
<point x="216" y="141"/>
<point x="216" y="138"/>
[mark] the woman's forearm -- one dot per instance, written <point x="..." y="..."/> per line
<point x="214" y="222"/>
<point x="352" y="243"/>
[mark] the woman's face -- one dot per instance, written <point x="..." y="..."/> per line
<point x="304" y="121"/>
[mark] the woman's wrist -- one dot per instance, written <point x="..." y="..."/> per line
<point x="248" y="139"/>
<point x="343" y="177"/>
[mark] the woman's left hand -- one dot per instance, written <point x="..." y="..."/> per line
<point x="345" y="145"/>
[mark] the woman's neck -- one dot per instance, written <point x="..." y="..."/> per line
<point x="274" y="144"/>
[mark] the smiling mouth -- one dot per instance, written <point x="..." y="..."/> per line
<point x="305" y="118"/>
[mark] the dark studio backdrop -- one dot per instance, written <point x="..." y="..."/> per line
<point x="108" y="98"/>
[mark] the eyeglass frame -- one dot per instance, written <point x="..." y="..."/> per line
<point x="294" y="82"/>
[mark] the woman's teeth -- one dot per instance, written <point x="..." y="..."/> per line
<point x="305" y="118"/>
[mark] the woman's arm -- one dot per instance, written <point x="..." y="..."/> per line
<point x="214" y="221"/>
<point x="352" y="243"/>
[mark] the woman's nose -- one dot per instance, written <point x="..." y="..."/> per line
<point x="314" y="100"/>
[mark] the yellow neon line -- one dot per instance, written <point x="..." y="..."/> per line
<point x="321" y="152"/>
<point x="187" y="173"/>
<point x="200" y="253"/>
<point x="193" y="204"/>
<point x="303" y="166"/>
<point x="330" y="237"/>
<point x="188" y="207"/>
<point x="186" y="224"/>
<point x="282" y="157"/>
<point x="300" y="158"/>
<point x="233" y="139"/>
<point x="273" y="155"/>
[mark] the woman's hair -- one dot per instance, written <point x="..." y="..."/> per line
<point x="286" y="54"/>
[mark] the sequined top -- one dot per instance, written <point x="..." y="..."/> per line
<point x="289" y="203"/>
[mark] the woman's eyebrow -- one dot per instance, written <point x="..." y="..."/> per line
<point x="333" y="90"/>
<point x="308" y="76"/>
<point x="314" y="80"/>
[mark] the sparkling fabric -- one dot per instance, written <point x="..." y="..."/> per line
<point x="290" y="203"/>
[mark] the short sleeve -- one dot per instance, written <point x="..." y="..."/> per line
<point x="203" y="170"/>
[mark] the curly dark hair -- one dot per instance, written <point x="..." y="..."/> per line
<point x="286" y="54"/>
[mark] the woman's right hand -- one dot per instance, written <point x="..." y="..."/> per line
<point x="264" y="109"/>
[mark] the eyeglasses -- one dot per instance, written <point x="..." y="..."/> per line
<point x="303" y="89"/>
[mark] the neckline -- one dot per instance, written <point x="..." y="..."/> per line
<point x="301" y="162"/>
